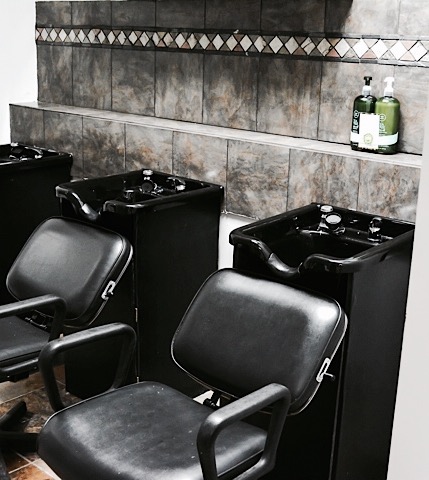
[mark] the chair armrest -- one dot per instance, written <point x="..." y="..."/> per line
<point x="57" y="347"/>
<point x="35" y="303"/>
<point x="273" y="394"/>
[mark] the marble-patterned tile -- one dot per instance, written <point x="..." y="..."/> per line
<point x="30" y="472"/>
<point x="11" y="390"/>
<point x="174" y="13"/>
<point x="389" y="190"/>
<point x="140" y="13"/>
<point x="222" y="14"/>
<point x="318" y="177"/>
<point x="13" y="460"/>
<point x="341" y="83"/>
<point x="54" y="74"/>
<point x="293" y="15"/>
<point x="411" y="89"/>
<point x="26" y="125"/>
<point x="413" y="17"/>
<point x="92" y="72"/>
<point x="53" y="13"/>
<point x="133" y="81"/>
<point x="103" y="147"/>
<point x="362" y="17"/>
<point x="148" y="148"/>
<point x="179" y="86"/>
<point x="45" y="468"/>
<point x="200" y="157"/>
<point x="230" y="91"/>
<point x="288" y="100"/>
<point x="91" y="13"/>
<point x="64" y="133"/>
<point x="257" y="180"/>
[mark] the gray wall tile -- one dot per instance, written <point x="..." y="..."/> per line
<point x="293" y="15"/>
<point x="413" y="17"/>
<point x="53" y="13"/>
<point x="54" y="74"/>
<point x="26" y="126"/>
<point x="103" y="147"/>
<point x="133" y="83"/>
<point x="341" y="83"/>
<point x="148" y="148"/>
<point x="318" y="177"/>
<point x="92" y="73"/>
<point x="173" y="13"/>
<point x="133" y="13"/>
<point x="388" y="190"/>
<point x="230" y="90"/>
<point x="257" y="179"/>
<point x="91" y="13"/>
<point x="411" y="89"/>
<point x="239" y="14"/>
<point x="363" y="16"/>
<point x="200" y="157"/>
<point x="63" y="132"/>
<point x="179" y="86"/>
<point x="289" y="97"/>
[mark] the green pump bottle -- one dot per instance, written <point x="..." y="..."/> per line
<point x="364" y="103"/>
<point x="388" y="108"/>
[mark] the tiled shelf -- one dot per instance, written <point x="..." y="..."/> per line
<point x="263" y="174"/>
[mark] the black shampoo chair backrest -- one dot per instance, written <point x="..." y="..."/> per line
<point x="242" y="332"/>
<point x="73" y="260"/>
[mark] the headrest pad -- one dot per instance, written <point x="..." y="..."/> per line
<point x="73" y="260"/>
<point x="242" y="332"/>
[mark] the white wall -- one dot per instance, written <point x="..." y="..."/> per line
<point x="228" y="222"/>
<point x="409" y="459"/>
<point x="410" y="455"/>
<point x="18" y="79"/>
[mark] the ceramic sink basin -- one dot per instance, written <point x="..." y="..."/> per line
<point x="292" y="242"/>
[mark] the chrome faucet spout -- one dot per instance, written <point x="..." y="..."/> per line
<point x="330" y="221"/>
<point x="374" y="230"/>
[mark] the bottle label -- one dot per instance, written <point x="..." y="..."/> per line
<point x="368" y="135"/>
<point x="388" y="139"/>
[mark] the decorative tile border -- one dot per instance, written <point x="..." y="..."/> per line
<point x="352" y="49"/>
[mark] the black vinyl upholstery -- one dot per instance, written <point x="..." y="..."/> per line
<point x="62" y="271"/>
<point x="283" y="334"/>
<point x="72" y="260"/>
<point x="253" y="339"/>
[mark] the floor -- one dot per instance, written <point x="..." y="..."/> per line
<point x="27" y="466"/>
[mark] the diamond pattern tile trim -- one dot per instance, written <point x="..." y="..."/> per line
<point x="335" y="48"/>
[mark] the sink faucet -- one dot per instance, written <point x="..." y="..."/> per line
<point x="148" y="185"/>
<point x="330" y="221"/>
<point x="374" y="230"/>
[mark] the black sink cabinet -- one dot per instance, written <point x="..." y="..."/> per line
<point x="28" y="177"/>
<point x="173" y="225"/>
<point x="345" y="431"/>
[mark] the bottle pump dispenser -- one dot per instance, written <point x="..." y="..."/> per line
<point x="387" y="108"/>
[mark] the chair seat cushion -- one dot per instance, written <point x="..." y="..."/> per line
<point x="19" y="341"/>
<point x="141" y="431"/>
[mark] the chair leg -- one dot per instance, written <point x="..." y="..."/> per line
<point x="21" y="441"/>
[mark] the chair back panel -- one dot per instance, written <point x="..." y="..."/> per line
<point x="242" y="332"/>
<point x="73" y="260"/>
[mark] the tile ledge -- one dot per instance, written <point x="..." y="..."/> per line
<point x="318" y="146"/>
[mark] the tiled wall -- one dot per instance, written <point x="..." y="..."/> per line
<point x="271" y="67"/>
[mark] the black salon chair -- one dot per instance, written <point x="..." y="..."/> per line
<point x="258" y="344"/>
<point x="64" y="275"/>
